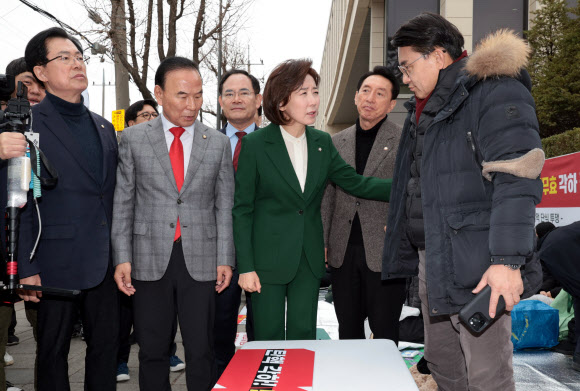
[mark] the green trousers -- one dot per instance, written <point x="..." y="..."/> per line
<point x="301" y="295"/>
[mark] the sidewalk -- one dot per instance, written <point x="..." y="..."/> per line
<point x="21" y="374"/>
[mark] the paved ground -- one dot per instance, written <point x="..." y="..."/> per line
<point x="22" y="372"/>
<point x="534" y="370"/>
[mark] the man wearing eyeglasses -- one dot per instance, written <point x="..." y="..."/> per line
<point x="461" y="213"/>
<point x="240" y="100"/>
<point x="74" y="249"/>
<point x="141" y="111"/>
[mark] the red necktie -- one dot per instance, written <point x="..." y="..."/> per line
<point x="176" y="157"/>
<point x="238" y="149"/>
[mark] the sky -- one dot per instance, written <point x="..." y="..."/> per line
<point x="275" y="30"/>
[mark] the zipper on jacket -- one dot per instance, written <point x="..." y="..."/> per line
<point x="470" y="139"/>
<point x="475" y="154"/>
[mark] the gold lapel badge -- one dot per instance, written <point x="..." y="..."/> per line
<point x="386" y="148"/>
<point x="103" y="126"/>
<point x="204" y="136"/>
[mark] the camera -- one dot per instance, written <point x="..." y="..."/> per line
<point x="15" y="117"/>
<point x="477" y="321"/>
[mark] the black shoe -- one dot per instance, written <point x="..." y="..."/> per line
<point x="565" y="347"/>
<point x="78" y="332"/>
<point x="576" y="362"/>
<point x="422" y="367"/>
<point x="12" y="340"/>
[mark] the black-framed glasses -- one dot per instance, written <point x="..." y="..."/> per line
<point x="243" y="94"/>
<point x="69" y="60"/>
<point x="405" y="68"/>
<point x="147" y="115"/>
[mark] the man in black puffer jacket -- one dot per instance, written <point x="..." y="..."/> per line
<point x="461" y="212"/>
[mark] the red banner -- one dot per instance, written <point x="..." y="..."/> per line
<point x="561" y="196"/>
<point x="268" y="369"/>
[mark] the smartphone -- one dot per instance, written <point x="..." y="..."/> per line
<point x="475" y="314"/>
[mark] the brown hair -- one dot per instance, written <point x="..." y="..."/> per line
<point x="286" y="78"/>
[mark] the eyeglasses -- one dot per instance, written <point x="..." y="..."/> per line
<point x="405" y="68"/>
<point x="69" y="60"/>
<point x="146" y="115"/>
<point x="244" y="94"/>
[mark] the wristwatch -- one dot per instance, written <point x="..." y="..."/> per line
<point x="513" y="267"/>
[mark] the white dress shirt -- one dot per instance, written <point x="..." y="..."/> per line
<point x="186" y="139"/>
<point x="298" y="151"/>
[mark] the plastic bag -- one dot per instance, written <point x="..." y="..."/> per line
<point x="534" y="325"/>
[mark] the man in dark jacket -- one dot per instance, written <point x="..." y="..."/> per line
<point x="559" y="250"/>
<point x="461" y="212"/>
<point x="240" y="99"/>
<point x="74" y="249"/>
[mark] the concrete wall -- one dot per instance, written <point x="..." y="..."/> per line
<point x="355" y="43"/>
<point x="460" y="13"/>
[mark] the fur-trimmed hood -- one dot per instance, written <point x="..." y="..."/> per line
<point x="502" y="53"/>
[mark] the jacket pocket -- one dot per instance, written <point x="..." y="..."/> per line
<point x="60" y="231"/>
<point x="469" y="234"/>
<point x="140" y="228"/>
<point x="211" y="231"/>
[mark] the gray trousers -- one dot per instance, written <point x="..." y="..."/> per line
<point x="460" y="360"/>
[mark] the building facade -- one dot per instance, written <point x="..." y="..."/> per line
<point x="358" y="35"/>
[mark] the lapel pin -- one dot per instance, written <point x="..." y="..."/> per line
<point x="319" y="149"/>
<point x="204" y="136"/>
<point x="103" y="126"/>
<point x="386" y="148"/>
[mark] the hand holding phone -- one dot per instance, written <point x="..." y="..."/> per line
<point x="475" y="314"/>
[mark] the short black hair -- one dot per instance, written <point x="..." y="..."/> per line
<point x="544" y="228"/>
<point x="131" y="112"/>
<point x="253" y="80"/>
<point x="16" y="67"/>
<point x="36" y="50"/>
<point x="428" y="30"/>
<point x="385" y="72"/>
<point x="173" y="64"/>
<point x="260" y="111"/>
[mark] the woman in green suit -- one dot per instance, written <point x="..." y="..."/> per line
<point x="282" y="173"/>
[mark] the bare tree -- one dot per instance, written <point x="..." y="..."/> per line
<point x="133" y="49"/>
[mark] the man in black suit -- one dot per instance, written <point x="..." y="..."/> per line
<point x="74" y="250"/>
<point x="240" y="100"/>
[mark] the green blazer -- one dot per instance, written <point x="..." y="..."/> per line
<point x="274" y="221"/>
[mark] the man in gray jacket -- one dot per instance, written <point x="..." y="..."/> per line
<point x="172" y="227"/>
<point x="354" y="227"/>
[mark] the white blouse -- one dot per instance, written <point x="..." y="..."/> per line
<point x="298" y="152"/>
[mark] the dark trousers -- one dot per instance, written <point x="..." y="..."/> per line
<point x="6" y="310"/>
<point x="566" y="272"/>
<point x="358" y="293"/>
<point x="226" y="323"/>
<point x="155" y="305"/>
<point x="100" y="315"/>
<point x="125" y="327"/>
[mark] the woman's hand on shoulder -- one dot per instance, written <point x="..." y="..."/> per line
<point x="250" y="282"/>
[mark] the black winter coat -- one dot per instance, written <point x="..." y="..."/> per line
<point x="471" y="222"/>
